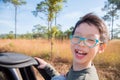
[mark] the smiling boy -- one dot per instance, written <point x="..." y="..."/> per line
<point x="88" y="39"/>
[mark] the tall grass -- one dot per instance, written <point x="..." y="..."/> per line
<point x="37" y="47"/>
<point x="108" y="63"/>
<point x="29" y="47"/>
<point x="61" y="49"/>
<point x="111" y="55"/>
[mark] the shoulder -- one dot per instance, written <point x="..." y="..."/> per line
<point x="92" y="74"/>
<point x="91" y="77"/>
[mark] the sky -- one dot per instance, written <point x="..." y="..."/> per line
<point x="70" y="14"/>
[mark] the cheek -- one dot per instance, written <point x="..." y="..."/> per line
<point x="72" y="48"/>
<point x="94" y="51"/>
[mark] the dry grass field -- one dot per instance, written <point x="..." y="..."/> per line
<point x="107" y="63"/>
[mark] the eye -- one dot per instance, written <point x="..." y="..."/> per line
<point x="90" y="40"/>
<point x="75" y="39"/>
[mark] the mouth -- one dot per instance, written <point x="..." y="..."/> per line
<point x="80" y="54"/>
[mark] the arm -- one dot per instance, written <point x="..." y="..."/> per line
<point x="50" y="70"/>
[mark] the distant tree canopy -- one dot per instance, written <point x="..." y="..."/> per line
<point x="50" y="8"/>
<point x="39" y="31"/>
<point x="112" y="8"/>
<point x="16" y="3"/>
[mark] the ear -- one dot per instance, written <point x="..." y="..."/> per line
<point x="102" y="48"/>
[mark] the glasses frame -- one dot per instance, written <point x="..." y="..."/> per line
<point x="83" y="39"/>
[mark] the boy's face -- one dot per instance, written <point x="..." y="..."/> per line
<point x="83" y="54"/>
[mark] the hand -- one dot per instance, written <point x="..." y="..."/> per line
<point x="41" y="62"/>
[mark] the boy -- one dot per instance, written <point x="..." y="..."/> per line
<point x="88" y="38"/>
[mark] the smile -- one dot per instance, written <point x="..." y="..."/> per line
<point x="80" y="54"/>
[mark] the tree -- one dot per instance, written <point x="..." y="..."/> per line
<point x="117" y="32"/>
<point x="39" y="31"/>
<point x="111" y="7"/>
<point x="68" y="32"/>
<point x="26" y="36"/>
<point x="50" y="8"/>
<point x="10" y="35"/>
<point x="16" y="3"/>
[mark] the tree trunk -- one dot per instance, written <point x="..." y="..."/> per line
<point x="51" y="40"/>
<point x="112" y="25"/>
<point x="56" y="19"/>
<point x="48" y="30"/>
<point x="15" y="21"/>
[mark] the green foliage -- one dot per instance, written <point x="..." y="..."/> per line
<point x="68" y="32"/>
<point x="115" y="2"/>
<point x="15" y="2"/>
<point x="112" y="8"/>
<point x="26" y="36"/>
<point x="60" y="35"/>
<point x="54" y="31"/>
<point x="8" y="36"/>
<point x="39" y="31"/>
<point x="49" y="8"/>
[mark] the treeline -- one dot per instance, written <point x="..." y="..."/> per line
<point x="40" y="31"/>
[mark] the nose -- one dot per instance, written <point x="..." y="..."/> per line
<point x="81" y="43"/>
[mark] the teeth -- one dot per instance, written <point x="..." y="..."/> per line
<point x="80" y="52"/>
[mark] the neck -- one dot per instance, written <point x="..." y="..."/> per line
<point x="78" y="67"/>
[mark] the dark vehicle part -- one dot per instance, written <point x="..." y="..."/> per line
<point x="15" y="66"/>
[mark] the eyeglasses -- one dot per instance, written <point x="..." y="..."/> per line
<point x="87" y="41"/>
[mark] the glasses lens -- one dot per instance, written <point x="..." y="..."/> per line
<point x="75" y="39"/>
<point x="90" y="42"/>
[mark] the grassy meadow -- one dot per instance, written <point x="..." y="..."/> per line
<point x="107" y="63"/>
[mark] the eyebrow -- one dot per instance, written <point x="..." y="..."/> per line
<point x="85" y="35"/>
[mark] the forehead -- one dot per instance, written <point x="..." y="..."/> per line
<point x="85" y="29"/>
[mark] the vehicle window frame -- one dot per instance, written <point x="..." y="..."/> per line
<point x="7" y="73"/>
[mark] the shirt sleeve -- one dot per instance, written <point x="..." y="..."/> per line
<point x="51" y="70"/>
<point x="60" y="77"/>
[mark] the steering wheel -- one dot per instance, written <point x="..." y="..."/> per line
<point x="18" y="60"/>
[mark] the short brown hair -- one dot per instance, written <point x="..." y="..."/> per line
<point x="91" y="18"/>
